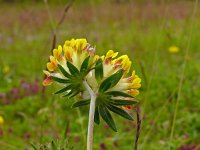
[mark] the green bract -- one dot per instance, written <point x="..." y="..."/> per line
<point x="75" y="77"/>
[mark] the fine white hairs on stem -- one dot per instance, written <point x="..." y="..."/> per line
<point x="91" y="116"/>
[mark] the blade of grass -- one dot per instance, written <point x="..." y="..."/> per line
<point x="183" y="73"/>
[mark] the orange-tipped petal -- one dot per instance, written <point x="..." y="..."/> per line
<point x="128" y="107"/>
<point x="47" y="81"/>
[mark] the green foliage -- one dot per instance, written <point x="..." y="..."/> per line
<point x="64" y="72"/>
<point x="105" y="114"/>
<point x="73" y="70"/>
<point x="73" y="85"/>
<point x="60" y="80"/>
<point x="118" y="93"/>
<point x="53" y="145"/>
<point x="81" y="103"/>
<point x="96" y="115"/>
<point x="120" y="102"/>
<point x="111" y="81"/>
<point x="99" y="70"/>
<point x="84" y="66"/>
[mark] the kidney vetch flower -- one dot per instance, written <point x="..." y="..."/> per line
<point x="101" y="81"/>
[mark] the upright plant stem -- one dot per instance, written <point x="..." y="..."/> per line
<point x="91" y="116"/>
<point x="138" y="129"/>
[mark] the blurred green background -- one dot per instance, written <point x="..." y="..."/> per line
<point x="146" y="30"/>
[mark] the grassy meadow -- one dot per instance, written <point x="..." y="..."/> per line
<point x="170" y="94"/>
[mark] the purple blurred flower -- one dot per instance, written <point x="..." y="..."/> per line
<point x="2" y="95"/>
<point x="188" y="147"/>
<point x="27" y="136"/>
<point x="25" y="89"/>
<point x="14" y="91"/>
<point x="35" y="88"/>
<point x="102" y="146"/>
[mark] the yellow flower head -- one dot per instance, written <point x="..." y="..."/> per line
<point x="111" y="65"/>
<point x="1" y="121"/>
<point x="74" y="51"/>
<point x="173" y="49"/>
<point x="6" y="69"/>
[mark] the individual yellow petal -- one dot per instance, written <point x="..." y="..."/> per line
<point x="126" y="66"/>
<point x="133" y="74"/>
<point x="57" y="53"/>
<point x="103" y="57"/>
<point x="134" y="92"/>
<point x="96" y="57"/>
<point x="136" y="86"/>
<point x="80" y="44"/>
<point x="70" y="43"/>
<point x="68" y="52"/>
<point x="136" y="81"/>
<point x="52" y="59"/>
<point x="59" y="50"/>
<point x="124" y="62"/>
<point x="50" y="66"/>
<point x="111" y="54"/>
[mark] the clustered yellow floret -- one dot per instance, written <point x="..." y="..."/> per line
<point x="129" y="84"/>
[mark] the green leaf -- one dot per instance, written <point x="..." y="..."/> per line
<point x="68" y="94"/>
<point x="34" y="146"/>
<point x="73" y="70"/>
<point x="119" y="111"/>
<point x="64" y="89"/>
<point x="105" y="114"/>
<point x="53" y="146"/>
<point x="118" y="93"/>
<point x="75" y="93"/>
<point x="84" y="65"/>
<point x="120" y="102"/>
<point x="96" y="116"/>
<point x="99" y="70"/>
<point x="60" y="80"/>
<point x="81" y="103"/>
<point x="64" y="72"/>
<point x="111" y="81"/>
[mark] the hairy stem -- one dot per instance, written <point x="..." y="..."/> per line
<point x="91" y="116"/>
